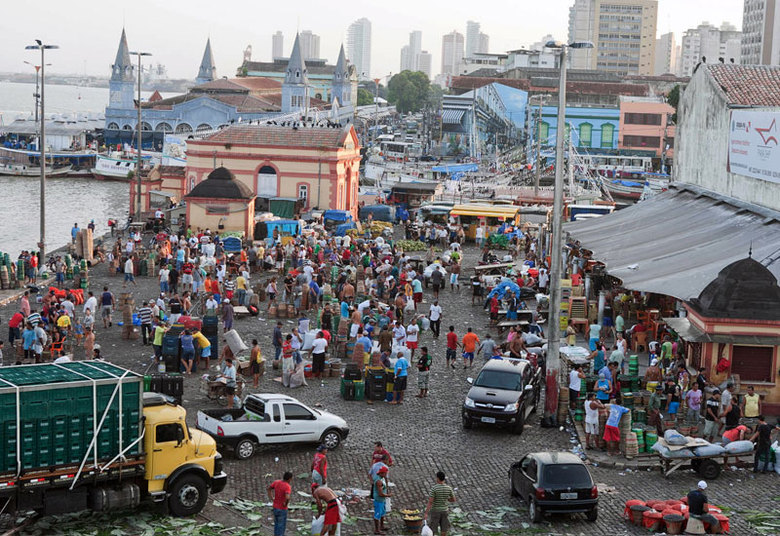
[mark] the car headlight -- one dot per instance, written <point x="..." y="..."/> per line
<point x="469" y="402"/>
<point x="511" y="408"/>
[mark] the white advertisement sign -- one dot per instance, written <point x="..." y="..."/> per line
<point x="754" y="148"/>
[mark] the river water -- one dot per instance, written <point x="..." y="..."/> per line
<point x="68" y="201"/>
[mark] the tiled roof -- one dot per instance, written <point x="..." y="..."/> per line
<point x="243" y="102"/>
<point x="747" y="85"/>
<point x="281" y="136"/>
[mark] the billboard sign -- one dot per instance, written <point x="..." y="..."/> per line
<point x="754" y="144"/>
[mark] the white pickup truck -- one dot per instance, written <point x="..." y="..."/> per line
<point x="267" y="419"/>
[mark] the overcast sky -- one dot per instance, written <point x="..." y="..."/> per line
<point x="175" y="31"/>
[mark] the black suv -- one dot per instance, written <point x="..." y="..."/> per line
<point x="505" y="392"/>
<point x="554" y="482"/>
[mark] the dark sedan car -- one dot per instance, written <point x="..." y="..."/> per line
<point x="554" y="482"/>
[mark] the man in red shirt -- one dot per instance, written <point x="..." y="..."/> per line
<point x="319" y="466"/>
<point x="452" y="347"/>
<point x="470" y="342"/>
<point x="14" y="325"/>
<point x="279" y="492"/>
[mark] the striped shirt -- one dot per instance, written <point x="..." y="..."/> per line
<point x="34" y="319"/>
<point x="145" y="314"/>
<point x="441" y="493"/>
<point x="229" y="285"/>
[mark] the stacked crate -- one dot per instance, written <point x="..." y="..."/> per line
<point x="126" y="306"/>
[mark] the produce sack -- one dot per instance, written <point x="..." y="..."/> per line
<point x="709" y="450"/>
<point x="739" y="447"/>
<point x="673" y="437"/>
<point x="316" y="525"/>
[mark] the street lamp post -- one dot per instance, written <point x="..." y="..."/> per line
<point x="138" y="129"/>
<point x="37" y="95"/>
<point x="42" y="146"/>
<point x="538" y="173"/>
<point x="556" y="268"/>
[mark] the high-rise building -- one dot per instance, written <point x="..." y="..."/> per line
<point x="310" y="45"/>
<point x="451" y="53"/>
<point x="277" y="45"/>
<point x="710" y="42"/>
<point x="666" y="50"/>
<point x="484" y="43"/>
<point x="622" y="33"/>
<point x="761" y="32"/>
<point x="424" y="61"/>
<point x="581" y="28"/>
<point x="410" y="54"/>
<point x="472" y="38"/>
<point x="359" y="47"/>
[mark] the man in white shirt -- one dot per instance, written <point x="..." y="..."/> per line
<point x="411" y="336"/>
<point x="480" y="234"/>
<point x="211" y="303"/>
<point x="129" y="272"/>
<point x="221" y="273"/>
<point x="68" y="306"/>
<point x="435" y="317"/>
<point x="161" y="302"/>
<point x="544" y="278"/>
<point x="90" y="304"/>
<point x="362" y="306"/>
<point x="399" y="333"/>
<point x="164" y="274"/>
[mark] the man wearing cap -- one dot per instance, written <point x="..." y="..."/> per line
<point x="319" y="466"/>
<point x="379" y="495"/>
<point x="696" y="502"/>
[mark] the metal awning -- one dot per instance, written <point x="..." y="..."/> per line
<point x="452" y="117"/>
<point x="690" y="333"/>
<point x="676" y="242"/>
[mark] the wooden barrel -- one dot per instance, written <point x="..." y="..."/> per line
<point x="281" y="311"/>
<point x="631" y="449"/>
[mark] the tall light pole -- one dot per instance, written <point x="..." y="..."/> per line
<point x="138" y="129"/>
<point x="37" y="95"/>
<point x="556" y="268"/>
<point x="42" y="146"/>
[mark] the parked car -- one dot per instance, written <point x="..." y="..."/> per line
<point x="271" y="419"/>
<point x="554" y="482"/>
<point x="505" y="392"/>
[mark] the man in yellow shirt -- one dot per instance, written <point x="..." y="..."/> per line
<point x="241" y="289"/>
<point x="751" y="404"/>
<point x="64" y="323"/>
<point x="205" y="347"/>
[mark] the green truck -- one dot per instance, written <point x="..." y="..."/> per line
<point x="83" y="435"/>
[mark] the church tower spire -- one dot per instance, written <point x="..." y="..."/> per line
<point x="295" y="86"/>
<point x="208" y="70"/>
<point x="122" y="80"/>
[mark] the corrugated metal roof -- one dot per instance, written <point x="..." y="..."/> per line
<point x="677" y="242"/>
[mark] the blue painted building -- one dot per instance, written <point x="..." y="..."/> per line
<point x="593" y="129"/>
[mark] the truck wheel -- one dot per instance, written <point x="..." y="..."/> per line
<point x="709" y="469"/>
<point x="466" y="423"/>
<point x="520" y="422"/>
<point x="331" y="439"/>
<point x="188" y="496"/>
<point x="245" y="449"/>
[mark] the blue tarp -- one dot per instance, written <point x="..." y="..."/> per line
<point x="232" y="244"/>
<point x="336" y="215"/>
<point x="286" y="227"/>
<point x="628" y="183"/>
<point x="454" y="168"/>
<point x="502" y="288"/>
<point x="379" y="212"/>
<point x="342" y="229"/>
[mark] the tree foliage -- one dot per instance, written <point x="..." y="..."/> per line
<point x="673" y="98"/>
<point x="364" y="97"/>
<point x="409" y="91"/>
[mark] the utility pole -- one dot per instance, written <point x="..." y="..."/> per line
<point x="139" y="128"/>
<point x="538" y="174"/>
<point x="42" y="146"/>
<point x="571" y="165"/>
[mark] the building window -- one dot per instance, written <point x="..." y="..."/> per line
<point x="586" y="134"/>
<point x="753" y="363"/>
<point x="642" y="141"/>
<point x="113" y="126"/>
<point x="303" y="193"/>
<point x="217" y="209"/>
<point x="607" y="135"/>
<point x="642" y="119"/>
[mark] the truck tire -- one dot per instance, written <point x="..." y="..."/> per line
<point x="466" y="423"/>
<point x="188" y="496"/>
<point x="245" y="448"/>
<point x="519" y="422"/>
<point x="709" y="469"/>
<point x="331" y="439"/>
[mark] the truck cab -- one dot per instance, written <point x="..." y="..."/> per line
<point x="182" y="465"/>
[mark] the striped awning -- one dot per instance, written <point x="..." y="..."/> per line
<point x="452" y="117"/>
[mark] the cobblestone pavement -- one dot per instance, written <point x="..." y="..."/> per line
<point x="425" y="435"/>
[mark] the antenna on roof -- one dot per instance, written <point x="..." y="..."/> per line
<point x="750" y="251"/>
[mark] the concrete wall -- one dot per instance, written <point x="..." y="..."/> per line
<point x="239" y="217"/>
<point x="702" y="146"/>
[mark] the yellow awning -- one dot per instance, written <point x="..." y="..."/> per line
<point x="485" y="211"/>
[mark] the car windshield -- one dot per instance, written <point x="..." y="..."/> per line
<point x="570" y="475"/>
<point x="494" y="379"/>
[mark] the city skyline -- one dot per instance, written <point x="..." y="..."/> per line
<point x="181" y="51"/>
